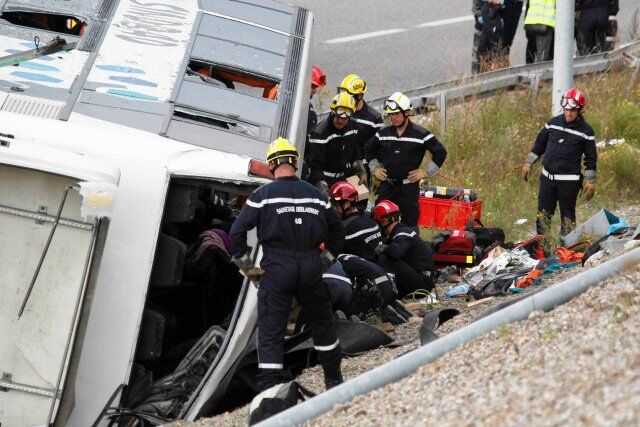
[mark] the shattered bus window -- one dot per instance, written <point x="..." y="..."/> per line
<point x="63" y="24"/>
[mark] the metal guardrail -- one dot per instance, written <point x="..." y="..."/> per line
<point x="438" y="95"/>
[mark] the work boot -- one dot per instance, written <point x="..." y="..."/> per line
<point x="332" y="378"/>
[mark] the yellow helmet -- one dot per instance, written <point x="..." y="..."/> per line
<point x="397" y="102"/>
<point x="353" y="85"/>
<point x="343" y="105"/>
<point x="282" y="151"/>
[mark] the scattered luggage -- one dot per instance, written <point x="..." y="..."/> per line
<point x="486" y="237"/>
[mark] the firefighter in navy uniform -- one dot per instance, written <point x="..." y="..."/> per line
<point x="395" y="154"/>
<point x="369" y="121"/>
<point x="403" y="252"/>
<point x="318" y="79"/>
<point x="564" y="142"/>
<point x="358" y="286"/>
<point x="334" y="150"/>
<point x="293" y="219"/>
<point x="593" y="24"/>
<point x="362" y="234"/>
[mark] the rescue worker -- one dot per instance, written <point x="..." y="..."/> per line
<point x="476" y="9"/>
<point x="565" y="141"/>
<point x="362" y="234"/>
<point x="293" y="219"/>
<point x="318" y="79"/>
<point x="395" y="154"/>
<point x="334" y="150"/>
<point x="358" y="286"/>
<point x="403" y="252"/>
<point x="511" y="17"/>
<point x="539" y="24"/>
<point x="369" y="121"/>
<point x="490" y="55"/>
<point x="593" y="24"/>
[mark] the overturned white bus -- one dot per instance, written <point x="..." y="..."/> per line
<point x="127" y="128"/>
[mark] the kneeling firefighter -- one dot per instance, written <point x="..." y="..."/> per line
<point x="395" y="154"/>
<point x="358" y="286"/>
<point x="362" y="234"/>
<point x="292" y="219"/>
<point x="403" y="252"/>
<point x="564" y="142"/>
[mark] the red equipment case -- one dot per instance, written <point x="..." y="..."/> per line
<point x="447" y="214"/>
<point x="443" y="260"/>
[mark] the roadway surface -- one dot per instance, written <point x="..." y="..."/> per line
<point x="404" y="44"/>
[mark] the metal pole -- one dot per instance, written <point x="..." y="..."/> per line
<point x="45" y="250"/>
<point x="563" y="52"/>
<point x="442" y="106"/>
<point x="399" y="368"/>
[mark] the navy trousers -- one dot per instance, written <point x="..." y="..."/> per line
<point x="553" y="193"/>
<point x="290" y="274"/>
<point x="405" y="196"/>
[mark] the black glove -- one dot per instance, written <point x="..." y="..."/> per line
<point x="380" y="249"/>
<point x="327" y="260"/>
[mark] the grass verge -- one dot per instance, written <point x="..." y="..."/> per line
<point x="488" y="139"/>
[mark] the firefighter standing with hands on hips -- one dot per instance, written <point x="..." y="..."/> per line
<point x="334" y="151"/>
<point x="564" y="142"/>
<point x="292" y="219"/>
<point x="395" y="154"/>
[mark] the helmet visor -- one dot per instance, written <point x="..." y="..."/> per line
<point x="391" y="106"/>
<point x="343" y="112"/>
<point x="569" y="103"/>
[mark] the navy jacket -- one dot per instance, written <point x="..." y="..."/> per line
<point x="369" y="121"/>
<point x="405" y="244"/>
<point x="332" y="151"/>
<point x="400" y="155"/>
<point x="312" y="122"/>
<point x="362" y="272"/>
<point x="564" y="145"/>
<point x="362" y="235"/>
<point x="290" y="215"/>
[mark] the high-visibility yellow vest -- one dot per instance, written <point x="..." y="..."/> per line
<point x="541" y="12"/>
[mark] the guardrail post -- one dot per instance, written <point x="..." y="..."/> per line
<point x="534" y="86"/>
<point x="635" y="63"/>
<point x="442" y="107"/>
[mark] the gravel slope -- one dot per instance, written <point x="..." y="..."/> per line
<point x="578" y="365"/>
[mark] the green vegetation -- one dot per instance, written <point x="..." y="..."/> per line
<point x="489" y="138"/>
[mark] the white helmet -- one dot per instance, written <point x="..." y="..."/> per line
<point x="397" y="102"/>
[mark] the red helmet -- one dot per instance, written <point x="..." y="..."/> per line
<point x="573" y="100"/>
<point x="386" y="209"/>
<point x="318" y="77"/>
<point x="342" y="190"/>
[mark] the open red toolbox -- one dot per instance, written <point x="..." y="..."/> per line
<point x="447" y="214"/>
